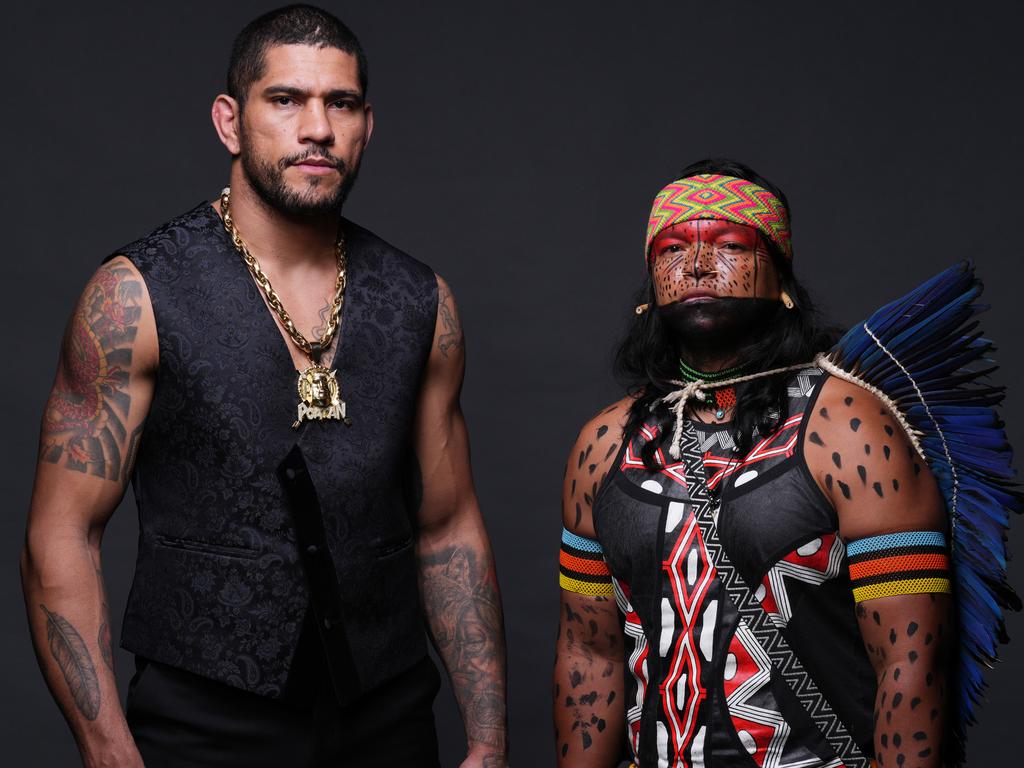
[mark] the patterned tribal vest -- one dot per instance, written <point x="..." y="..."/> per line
<point x="699" y="689"/>
<point x="247" y="524"/>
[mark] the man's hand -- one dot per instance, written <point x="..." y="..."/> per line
<point x="90" y="432"/>
<point x="458" y="583"/>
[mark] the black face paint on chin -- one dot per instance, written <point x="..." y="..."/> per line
<point x="718" y="326"/>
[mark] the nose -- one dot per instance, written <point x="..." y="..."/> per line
<point x="704" y="263"/>
<point x="315" y="125"/>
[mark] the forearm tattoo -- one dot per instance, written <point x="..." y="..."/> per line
<point x="463" y="608"/>
<point x="588" y="684"/>
<point x="84" y="427"/>
<point x="69" y="651"/>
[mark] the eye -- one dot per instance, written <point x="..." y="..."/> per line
<point x="283" y="101"/>
<point x="731" y="245"/>
<point x="346" y="104"/>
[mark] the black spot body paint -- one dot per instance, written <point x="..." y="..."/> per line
<point x="867" y="449"/>
<point x="892" y="637"/>
<point x="591" y="468"/>
<point x="611" y="451"/>
<point x="848" y="400"/>
<point x="824" y="413"/>
<point x="579" y="514"/>
<point x="816" y="439"/>
<point x="896" y="674"/>
<point x="878" y="490"/>
<point x="911" y="628"/>
<point x="912" y="656"/>
<point x="854" y="424"/>
<point x="914" y="702"/>
<point x="876" y="617"/>
<point x="602" y="431"/>
<point x="888" y="430"/>
<point x="895" y="484"/>
<point x="886" y="451"/>
<point x="844" y="488"/>
<point x="837" y="460"/>
<point x="862" y="473"/>
<point x="895" y="703"/>
<point x="828" y="482"/>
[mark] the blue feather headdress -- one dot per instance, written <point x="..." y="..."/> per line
<point x="925" y="356"/>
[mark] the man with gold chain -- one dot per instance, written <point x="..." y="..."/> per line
<point x="281" y="387"/>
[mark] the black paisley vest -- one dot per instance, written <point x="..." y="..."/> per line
<point x="699" y="690"/>
<point x="246" y="523"/>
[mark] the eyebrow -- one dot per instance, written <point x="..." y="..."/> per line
<point x="334" y="95"/>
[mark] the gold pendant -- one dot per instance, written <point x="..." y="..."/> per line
<point x="319" y="396"/>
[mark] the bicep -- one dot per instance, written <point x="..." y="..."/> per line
<point x="440" y="438"/>
<point x="101" y="393"/>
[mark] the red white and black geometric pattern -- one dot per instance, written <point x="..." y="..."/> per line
<point x="631" y="460"/>
<point x="780" y="443"/>
<point x="688" y="622"/>
<point x="814" y="563"/>
<point x="761" y="626"/>
<point x="636" y="663"/>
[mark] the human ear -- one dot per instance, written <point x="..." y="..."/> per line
<point x="227" y="116"/>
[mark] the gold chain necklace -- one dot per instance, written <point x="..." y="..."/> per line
<point x="319" y="393"/>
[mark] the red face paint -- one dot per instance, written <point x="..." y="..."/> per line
<point x="705" y="259"/>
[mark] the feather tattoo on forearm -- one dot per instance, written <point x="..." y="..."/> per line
<point x="69" y="651"/>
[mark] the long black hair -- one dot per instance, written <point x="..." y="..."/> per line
<point x="648" y="357"/>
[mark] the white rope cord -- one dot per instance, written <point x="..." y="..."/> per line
<point x="942" y="437"/>
<point x="826" y="364"/>
<point x="695" y="389"/>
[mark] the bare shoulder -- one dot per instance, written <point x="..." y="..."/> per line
<point x="865" y="463"/>
<point x="590" y="461"/>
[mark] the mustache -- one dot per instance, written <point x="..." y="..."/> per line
<point x="337" y="162"/>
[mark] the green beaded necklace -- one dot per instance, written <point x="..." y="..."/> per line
<point x="718" y="399"/>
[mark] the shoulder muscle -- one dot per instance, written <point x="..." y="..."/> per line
<point x="866" y="465"/>
<point x="589" y="462"/>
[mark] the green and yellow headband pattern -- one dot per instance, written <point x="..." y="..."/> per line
<point x="727" y="198"/>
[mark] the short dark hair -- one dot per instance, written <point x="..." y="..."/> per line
<point x="291" y="25"/>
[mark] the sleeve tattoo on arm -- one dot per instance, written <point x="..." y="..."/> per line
<point x="464" y="611"/>
<point x="84" y="424"/>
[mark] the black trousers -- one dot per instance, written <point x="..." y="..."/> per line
<point x="180" y="719"/>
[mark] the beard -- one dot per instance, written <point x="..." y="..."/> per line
<point x="720" y="327"/>
<point x="267" y="179"/>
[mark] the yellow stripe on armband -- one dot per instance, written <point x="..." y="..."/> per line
<point x="903" y="587"/>
<point x="589" y="588"/>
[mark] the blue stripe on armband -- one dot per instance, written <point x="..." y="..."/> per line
<point x="893" y="540"/>
<point x="578" y="542"/>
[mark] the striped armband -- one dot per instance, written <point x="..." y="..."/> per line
<point x="907" y="563"/>
<point x="581" y="566"/>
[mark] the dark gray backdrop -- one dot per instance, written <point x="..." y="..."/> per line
<point x="517" y="148"/>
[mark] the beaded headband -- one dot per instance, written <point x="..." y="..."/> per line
<point x="726" y="198"/>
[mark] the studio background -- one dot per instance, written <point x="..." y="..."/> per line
<point x="517" y="148"/>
